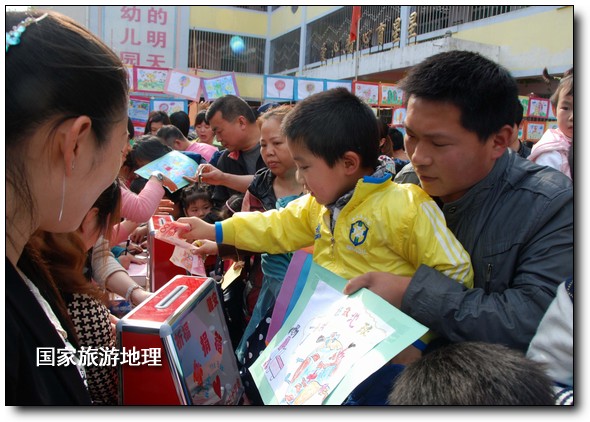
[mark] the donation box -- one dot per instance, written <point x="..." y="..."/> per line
<point x="183" y="320"/>
<point x="161" y="269"/>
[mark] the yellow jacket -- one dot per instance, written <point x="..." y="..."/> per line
<point x="385" y="226"/>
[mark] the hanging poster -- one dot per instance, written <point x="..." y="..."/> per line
<point x="390" y="95"/>
<point x="551" y="124"/>
<point x="130" y="76"/>
<point x="150" y="79"/>
<point x="524" y="101"/>
<point x="185" y="85"/>
<point x="398" y="116"/>
<point x="330" y="343"/>
<point x="139" y="108"/>
<point x="169" y="105"/>
<point x="534" y="130"/>
<point x="220" y="86"/>
<point x="339" y="84"/>
<point x="367" y="91"/>
<point x="538" y="107"/>
<point x="279" y="87"/>
<point x="307" y="87"/>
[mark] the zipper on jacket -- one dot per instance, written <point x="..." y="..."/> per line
<point x="332" y="242"/>
<point x="488" y="278"/>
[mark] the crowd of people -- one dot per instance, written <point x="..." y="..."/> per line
<point x="456" y="223"/>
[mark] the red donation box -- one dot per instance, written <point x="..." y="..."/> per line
<point x="183" y="320"/>
<point x="161" y="269"/>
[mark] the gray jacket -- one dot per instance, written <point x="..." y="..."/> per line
<point x="517" y="225"/>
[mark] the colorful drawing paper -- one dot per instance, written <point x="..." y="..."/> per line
<point x="330" y="343"/>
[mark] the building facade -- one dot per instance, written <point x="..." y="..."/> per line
<point x="313" y="41"/>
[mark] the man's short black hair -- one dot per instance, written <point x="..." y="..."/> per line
<point x="231" y="107"/>
<point x="484" y="91"/>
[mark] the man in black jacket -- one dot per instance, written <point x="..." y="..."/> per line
<point x="234" y="123"/>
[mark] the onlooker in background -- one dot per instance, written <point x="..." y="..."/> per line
<point x="182" y="121"/>
<point x="156" y="119"/>
<point x="552" y="149"/>
<point x="196" y="202"/>
<point x="472" y="374"/>
<point x="399" y="153"/>
<point x="385" y="148"/>
<point x="173" y="137"/>
<point x="234" y="124"/>
<point x="205" y="134"/>
<point x="272" y="188"/>
<point x="517" y="145"/>
<point x="65" y="129"/>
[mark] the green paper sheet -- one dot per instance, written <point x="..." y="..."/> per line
<point x="330" y="343"/>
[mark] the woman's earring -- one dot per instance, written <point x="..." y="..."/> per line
<point x="63" y="196"/>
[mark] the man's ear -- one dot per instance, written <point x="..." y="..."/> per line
<point x="89" y="222"/>
<point x="351" y="162"/>
<point x="502" y="140"/>
<point x="72" y="134"/>
<point x="243" y="122"/>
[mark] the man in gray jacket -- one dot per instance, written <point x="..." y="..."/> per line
<point x="513" y="217"/>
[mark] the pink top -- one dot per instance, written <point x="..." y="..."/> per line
<point x="552" y="150"/>
<point x="140" y="208"/>
<point x="205" y="150"/>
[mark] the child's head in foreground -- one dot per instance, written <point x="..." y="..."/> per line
<point x="472" y="374"/>
<point x="333" y="137"/>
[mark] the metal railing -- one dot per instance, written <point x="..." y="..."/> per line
<point x="226" y="52"/>
<point x="327" y="37"/>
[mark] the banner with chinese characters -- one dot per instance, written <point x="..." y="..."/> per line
<point x="142" y="35"/>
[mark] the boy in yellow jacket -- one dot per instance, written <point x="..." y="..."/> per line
<point x="355" y="217"/>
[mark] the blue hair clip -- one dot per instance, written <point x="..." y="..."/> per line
<point x="13" y="37"/>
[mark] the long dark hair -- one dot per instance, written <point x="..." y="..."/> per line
<point x="59" y="70"/>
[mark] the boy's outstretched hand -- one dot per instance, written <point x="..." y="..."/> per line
<point x="195" y="228"/>
<point x="389" y="286"/>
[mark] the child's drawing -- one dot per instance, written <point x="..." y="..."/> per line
<point x="219" y="86"/>
<point x="368" y="92"/>
<point x="390" y="95"/>
<point x="182" y="84"/>
<point x="318" y="350"/>
<point x="150" y="79"/>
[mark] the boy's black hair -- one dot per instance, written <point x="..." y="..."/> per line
<point x="333" y="122"/>
<point x="484" y="91"/>
<point x="231" y="107"/>
<point x="473" y="374"/>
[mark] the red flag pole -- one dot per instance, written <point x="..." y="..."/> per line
<point x="355" y="27"/>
